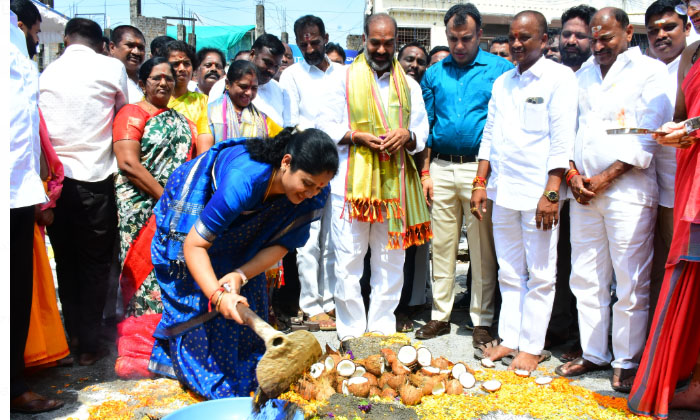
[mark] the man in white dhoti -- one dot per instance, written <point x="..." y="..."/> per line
<point x="526" y="145"/>
<point x="613" y="180"/>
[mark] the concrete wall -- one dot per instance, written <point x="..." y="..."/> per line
<point x="151" y="28"/>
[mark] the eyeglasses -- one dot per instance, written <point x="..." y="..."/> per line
<point x="683" y="7"/>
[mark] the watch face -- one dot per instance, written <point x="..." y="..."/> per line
<point x="552" y="195"/>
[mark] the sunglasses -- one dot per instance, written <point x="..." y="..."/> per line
<point x="682" y="8"/>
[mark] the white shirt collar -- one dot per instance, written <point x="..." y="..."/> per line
<point x="536" y="69"/>
<point x="307" y="67"/>
<point x="79" y="47"/>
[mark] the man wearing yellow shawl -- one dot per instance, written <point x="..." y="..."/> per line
<point x="377" y="116"/>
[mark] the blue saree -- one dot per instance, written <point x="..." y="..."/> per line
<point x="221" y="194"/>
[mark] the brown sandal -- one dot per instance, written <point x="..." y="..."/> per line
<point x="578" y="367"/>
<point x="33" y="403"/>
<point x="623" y="379"/>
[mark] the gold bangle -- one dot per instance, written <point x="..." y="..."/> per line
<point x="218" y="301"/>
<point x="478" y="188"/>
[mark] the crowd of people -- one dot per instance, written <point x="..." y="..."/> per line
<point x="198" y="185"/>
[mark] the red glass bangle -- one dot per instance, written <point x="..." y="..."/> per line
<point x="424" y="172"/>
<point x="220" y="289"/>
<point x="479" y="180"/>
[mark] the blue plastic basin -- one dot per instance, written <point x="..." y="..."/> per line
<point x="239" y="408"/>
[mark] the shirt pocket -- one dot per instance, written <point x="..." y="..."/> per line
<point x="533" y="115"/>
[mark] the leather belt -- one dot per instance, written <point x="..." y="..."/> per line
<point x="455" y="158"/>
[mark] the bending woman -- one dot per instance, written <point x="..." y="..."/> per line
<point x="224" y="218"/>
<point x="233" y="114"/>
<point x="150" y="142"/>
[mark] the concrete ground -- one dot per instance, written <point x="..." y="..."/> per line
<point x="84" y="387"/>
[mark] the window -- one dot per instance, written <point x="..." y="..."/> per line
<point x="421" y="35"/>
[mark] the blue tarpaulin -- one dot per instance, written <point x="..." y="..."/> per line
<point x="229" y="39"/>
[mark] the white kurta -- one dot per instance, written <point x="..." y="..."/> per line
<point x="352" y="238"/>
<point x="614" y="232"/>
<point x="666" y="156"/>
<point x="315" y="260"/>
<point x="529" y="132"/>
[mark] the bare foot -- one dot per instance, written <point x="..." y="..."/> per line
<point x="497" y="353"/>
<point x="525" y="361"/>
<point x="688" y="399"/>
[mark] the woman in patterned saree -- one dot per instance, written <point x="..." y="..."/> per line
<point x="150" y="142"/>
<point x="233" y="115"/>
<point x="223" y="219"/>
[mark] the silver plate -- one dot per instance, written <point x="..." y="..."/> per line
<point x="617" y="131"/>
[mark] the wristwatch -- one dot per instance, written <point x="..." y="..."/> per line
<point x="692" y="124"/>
<point x="552" y="196"/>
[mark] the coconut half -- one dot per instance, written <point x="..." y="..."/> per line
<point x="331" y="361"/>
<point x="442" y="363"/>
<point x="374" y="364"/>
<point x="467" y="380"/>
<point x="424" y="357"/>
<point x="430" y="370"/>
<point x="522" y="373"/>
<point x="487" y="363"/>
<point x="389" y="393"/>
<point x="454" y="387"/>
<point x="316" y="370"/>
<point x="458" y="369"/>
<point x="407" y="355"/>
<point x="543" y="380"/>
<point x="389" y="356"/>
<point x="438" y="388"/>
<point x="492" y="385"/>
<point x="359" y="371"/>
<point x="345" y="368"/>
<point x="344" y="387"/>
<point x="410" y="395"/>
<point x="358" y="386"/>
<point x="399" y="368"/>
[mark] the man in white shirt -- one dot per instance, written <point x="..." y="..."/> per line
<point x="81" y="93"/>
<point x="526" y="145"/>
<point x="667" y="32"/>
<point x="613" y="180"/>
<point x="128" y="45"/>
<point x="209" y="71"/>
<point x="266" y="54"/>
<point x="26" y="191"/>
<point x="379" y="141"/>
<point x="303" y="100"/>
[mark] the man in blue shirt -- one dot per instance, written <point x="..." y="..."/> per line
<point x="457" y="91"/>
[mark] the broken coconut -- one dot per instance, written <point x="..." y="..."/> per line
<point x="407" y="355"/>
<point x="306" y="390"/>
<point x="359" y="371"/>
<point x="410" y="395"/>
<point x="467" y="380"/>
<point x="424" y="357"/>
<point x="487" y="363"/>
<point x="382" y="382"/>
<point x="543" y="380"/>
<point x="399" y="368"/>
<point x="331" y="361"/>
<point x="438" y="387"/>
<point x="454" y="387"/>
<point x="389" y="393"/>
<point x="522" y="373"/>
<point x="371" y="378"/>
<point x="358" y="386"/>
<point x="389" y="356"/>
<point x="430" y="371"/>
<point x="458" y="369"/>
<point x="396" y="381"/>
<point x="374" y="364"/>
<point x="441" y="363"/>
<point x="492" y="385"/>
<point x="345" y="368"/>
<point x="374" y="391"/>
<point x="316" y="370"/>
<point x="344" y="387"/>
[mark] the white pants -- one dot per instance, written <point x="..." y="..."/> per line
<point x="351" y="239"/>
<point x="315" y="262"/>
<point x="607" y="236"/>
<point x="527" y="259"/>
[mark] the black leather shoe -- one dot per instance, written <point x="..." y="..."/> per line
<point x="481" y="336"/>
<point x="433" y="329"/>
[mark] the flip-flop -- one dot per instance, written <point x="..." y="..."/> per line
<point x="403" y="323"/>
<point x="585" y="367"/>
<point x="479" y="351"/>
<point x="621" y="375"/>
<point x="508" y="358"/>
<point x="33" y="403"/>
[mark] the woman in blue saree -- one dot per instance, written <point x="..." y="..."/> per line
<point x="224" y="218"/>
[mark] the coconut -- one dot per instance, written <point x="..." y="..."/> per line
<point x="371" y="378"/>
<point x="445" y="371"/>
<point x="543" y="380"/>
<point x="316" y="370"/>
<point x="467" y="380"/>
<point x="441" y="363"/>
<point x="374" y="391"/>
<point x="438" y="387"/>
<point x="324" y="391"/>
<point x="359" y="371"/>
<point x="492" y="385"/>
<point x="389" y="393"/>
<point x="522" y="373"/>
<point x="454" y="387"/>
<point x="399" y="369"/>
<point x="396" y="381"/>
<point x="306" y="390"/>
<point x="487" y="363"/>
<point x="417" y="379"/>
<point x="344" y="387"/>
<point x="410" y="395"/>
<point x="384" y="379"/>
<point x="430" y="371"/>
<point x="331" y="350"/>
<point x="424" y="356"/>
<point x="358" y="386"/>
<point x="407" y="355"/>
<point x="374" y="364"/>
<point x="345" y="368"/>
<point x="458" y="369"/>
<point x="339" y="385"/>
<point x="389" y="356"/>
<point x="331" y="361"/>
